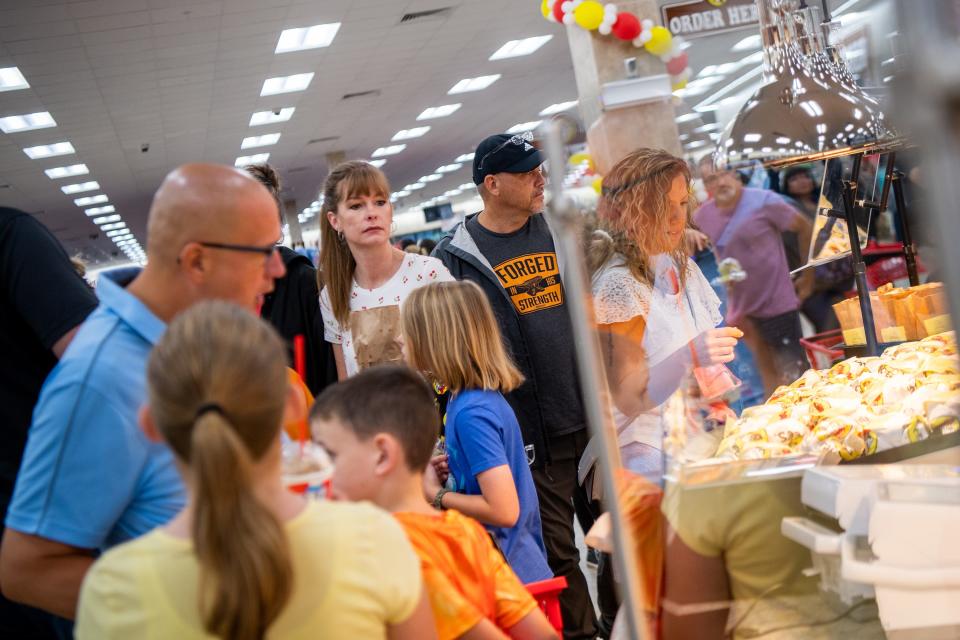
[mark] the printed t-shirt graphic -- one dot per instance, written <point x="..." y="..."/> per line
<point x="532" y="280"/>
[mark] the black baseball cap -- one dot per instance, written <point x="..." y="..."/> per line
<point x="505" y="153"/>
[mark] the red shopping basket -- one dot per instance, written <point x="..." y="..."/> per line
<point x="547" y="595"/>
<point x="823" y="349"/>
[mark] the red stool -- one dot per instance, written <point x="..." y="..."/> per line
<point x="547" y="595"/>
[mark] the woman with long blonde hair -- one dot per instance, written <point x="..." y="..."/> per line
<point x="450" y="334"/>
<point x="245" y="559"/>
<point x="366" y="278"/>
<point x="655" y="310"/>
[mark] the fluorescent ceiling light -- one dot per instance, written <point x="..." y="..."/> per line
<point x="83" y="202"/>
<point x="392" y="150"/>
<point x="49" y="150"/>
<point x="516" y="48"/>
<point x="123" y="242"/>
<point x="695" y="144"/>
<point x="467" y="185"/>
<point x="80" y="187"/>
<point x="67" y="172"/>
<point x="524" y="126"/>
<point x="27" y="122"/>
<point x="414" y="186"/>
<point x="433" y="177"/>
<point x="260" y="141"/>
<point x="269" y="117"/>
<point x="403" y="193"/>
<point x="286" y="84"/>
<point x="449" y="168"/>
<point x="453" y="192"/>
<point x="114" y="234"/>
<point x="106" y="219"/>
<point x="407" y="134"/>
<point x="125" y="236"/>
<point x="687" y="117"/>
<point x="319" y="35"/>
<point x="467" y="157"/>
<point x="377" y="163"/>
<point x="748" y="43"/>
<point x="559" y="107"/>
<point x="257" y="158"/>
<point x="712" y="126"/>
<point x="439" y="112"/>
<point x="474" y="84"/>
<point x="98" y="210"/>
<point x="113" y="226"/>
<point x="11" y="79"/>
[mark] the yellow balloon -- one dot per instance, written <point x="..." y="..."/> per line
<point x="597" y="184"/>
<point x="680" y="85"/>
<point x="578" y="159"/>
<point x="546" y="9"/>
<point x="660" y="41"/>
<point x="589" y="14"/>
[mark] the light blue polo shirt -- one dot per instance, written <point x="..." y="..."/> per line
<point x="90" y="477"/>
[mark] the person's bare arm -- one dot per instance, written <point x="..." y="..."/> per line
<point x="341" y="364"/>
<point x="533" y="626"/>
<point x="484" y="630"/>
<point x="61" y="345"/>
<point x="498" y="505"/>
<point x="625" y="361"/>
<point x="696" y="599"/>
<point x="42" y="573"/>
<point x="419" y="626"/>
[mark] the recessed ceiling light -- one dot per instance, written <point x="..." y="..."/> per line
<point x="125" y="236"/>
<point x="467" y="157"/>
<point x="84" y="202"/>
<point x="415" y="186"/>
<point x="319" y="35"/>
<point x="67" y="172"/>
<point x="27" y="122"/>
<point x="448" y="168"/>
<point x="687" y="117"/>
<point x="439" y="112"/>
<point x="403" y="193"/>
<point x="433" y="177"/>
<point x="106" y="219"/>
<point x="260" y="141"/>
<point x="524" y="47"/>
<point x="407" y="134"/>
<point x="453" y="192"/>
<point x="113" y="226"/>
<point x="123" y="242"/>
<point x="80" y="187"/>
<point x="118" y="232"/>
<point x="524" y="126"/>
<point x="474" y="84"/>
<point x="269" y="117"/>
<point x="257" y="158"/>
<point x="11" y="79"/>
<point x="377" y="163"/>
<point x="392" y="150"/>
<point x="49" y="150"/>
<point x="98" y="210"/>
<point x="559" y="107"/>
<point x="748" y="43"/>
<point x="286" y="84"/>
<point x="467" y="185"/>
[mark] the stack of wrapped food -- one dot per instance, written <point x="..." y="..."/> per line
<point x="856" y="408"/>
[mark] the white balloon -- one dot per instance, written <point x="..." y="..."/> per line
<point x="647" y="24"/>
<point x="567" y="6"/>
<point x="646" y="36"/>
<point x="568" y="19"/>
<point x="605" y="29"/>
<point x="638" y="42"/>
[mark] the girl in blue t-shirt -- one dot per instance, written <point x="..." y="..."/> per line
<point x="450" y="334"/>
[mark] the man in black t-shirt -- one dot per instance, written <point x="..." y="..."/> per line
<point x="43" y="301"/>
<point x="508" y="250"/>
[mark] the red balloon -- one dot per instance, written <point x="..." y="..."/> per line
<point x="558" y="11"/>
<point x="676" y="65"/>
<point x="627" y="26"/>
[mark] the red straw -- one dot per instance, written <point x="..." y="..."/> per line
<point x="300" y="364"/>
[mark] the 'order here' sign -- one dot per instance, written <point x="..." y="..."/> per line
<point x="707" y="17"/>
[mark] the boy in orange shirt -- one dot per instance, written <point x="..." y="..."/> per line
<point x="379" y="427"/>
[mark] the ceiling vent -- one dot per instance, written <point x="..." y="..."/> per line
<point x="327" y="139"/>
<point x="429" y="14"/>
<point x="361" y="94"/>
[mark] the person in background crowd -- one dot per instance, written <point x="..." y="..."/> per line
<point x="746" y="224"/>
<point x="292" y="306"/>
<point x="43" y="301"/>
<point x="450" y="334"/>
<point x="380" y="428"/>
<point x="245" y="558"/>
<point x="90" y="479"/>
<point x="508" y="249"/>
<point x="427" y="246"/>
<point x="366" y="278"/>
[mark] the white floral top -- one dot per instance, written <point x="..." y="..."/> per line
<point x="372" y="335"/>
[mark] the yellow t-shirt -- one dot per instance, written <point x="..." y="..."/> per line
<point x="354" y="573"/>
<point x="467" y="578"/>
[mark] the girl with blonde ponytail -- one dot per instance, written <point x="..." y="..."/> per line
<point x="246" y="559"/>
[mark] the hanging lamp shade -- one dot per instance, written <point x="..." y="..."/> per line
<point x="810" y="107"/>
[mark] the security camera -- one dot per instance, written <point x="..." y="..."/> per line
<point x="276" y="111"/>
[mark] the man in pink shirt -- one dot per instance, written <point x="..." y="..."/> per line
<point x="746" y="224"/>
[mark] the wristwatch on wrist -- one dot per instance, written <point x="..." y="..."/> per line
<point x="438" y="499"/>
